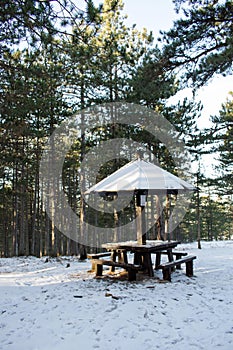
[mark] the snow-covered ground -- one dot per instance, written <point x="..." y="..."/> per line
<point x="46" y="306"/>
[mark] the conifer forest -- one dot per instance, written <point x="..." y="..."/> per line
<point x="60" y="57"/>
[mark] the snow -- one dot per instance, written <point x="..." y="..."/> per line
<point x="46" y="306"/>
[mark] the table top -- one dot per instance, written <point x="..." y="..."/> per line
<point x="150" y="246"/>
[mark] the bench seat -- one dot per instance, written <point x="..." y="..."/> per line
<point x="98" y="255"/>
<point x="130" y="268"/>
<point x="177" y="254"/>
<point x="95" y="256"/>
<point x="167" y="267"/>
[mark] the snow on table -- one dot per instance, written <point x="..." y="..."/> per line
<point x="46" y="306"/>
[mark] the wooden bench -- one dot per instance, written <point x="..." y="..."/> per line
<point x="167" y="267"/>
<point x="177" y="254"/>
<point x="98" y="255"/>
<point x="130" y="268"/>
<point x="95" y="256"/>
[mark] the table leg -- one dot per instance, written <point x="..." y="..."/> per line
<point x="137" y="259"/>
<point x="157" y="260"/>
<point x="148" y="264"/>
<point x="170" y="257"/>
<point x="119" y="256"/>
<point x="125" y="256"/>
<point x="122" y="256"/>
<point x="113" y="258"/>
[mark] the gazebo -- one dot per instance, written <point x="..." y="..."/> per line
<point x="141" y="178"/>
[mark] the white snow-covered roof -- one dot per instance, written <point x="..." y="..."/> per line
<point x="138" y="175"/>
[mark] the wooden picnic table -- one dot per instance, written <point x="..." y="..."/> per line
<point x="142" y="253"/>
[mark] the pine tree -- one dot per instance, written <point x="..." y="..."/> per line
<point x="119" y="50"/>
<point x="222" y="136"/>
<point x="201" y="41"/>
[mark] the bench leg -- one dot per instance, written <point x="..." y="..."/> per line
<point x="189" y="268"/>
<point x="99" y="270"/>
<point x="167" y="274"/>
<point x="93" y="265"/>
<point x="178" y="256"/>
<point x="157" y="260"/>
<point x="170" y="258"/>
<point x="131" y="275"/>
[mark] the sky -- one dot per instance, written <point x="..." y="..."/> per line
<point x="153" y="15"/>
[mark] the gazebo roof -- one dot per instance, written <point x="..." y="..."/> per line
<point x="141" y="175"/>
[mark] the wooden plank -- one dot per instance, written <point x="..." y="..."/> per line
<point x="98" y="255"/>
<point x="167" y="267"/>
<point x="117" y="264"/>
<point x="177" y="262"/>
<point x="132" y="269"/>
<point x="175" y="253"/>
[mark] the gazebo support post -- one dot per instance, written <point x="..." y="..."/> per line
<point x="159" y="219"/>
<point x="141" y="225"/>
<point x="167" y="228"/>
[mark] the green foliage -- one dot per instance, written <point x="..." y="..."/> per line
<point x="119" y="49"/>
<point x="150" y="83"/>
<point x="222" y="139"/>
<point x="201" y="41"/>
<point x="25" y="20"/>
